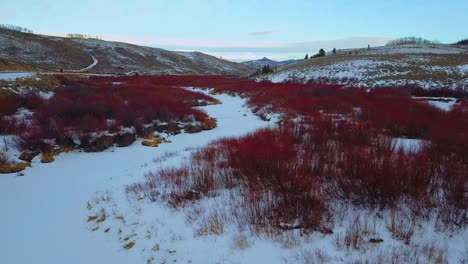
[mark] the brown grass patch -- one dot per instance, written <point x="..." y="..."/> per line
<point x="13" y="167"/>
<point x="151" y="141"/>
<point x="92" y="218"/>
<point x="47" y="157"/>
<point x="129" y="245"/>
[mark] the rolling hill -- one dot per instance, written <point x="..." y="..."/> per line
<point x="97" y="56"/>
<point x="423" y="65"/>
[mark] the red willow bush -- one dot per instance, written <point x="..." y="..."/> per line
<point x="340" y="149"/>
<point x="9" y="106"/>
<point x="278" y="191"/>
<point x="80" y="107"/>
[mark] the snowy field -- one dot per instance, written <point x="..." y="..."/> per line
<point x="45" y="213"/>
<point x="11" y="76"/>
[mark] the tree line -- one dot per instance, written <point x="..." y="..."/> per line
<point x="411" y="40"/>
<point x="82" y="36"/>
<point x="15" y="28"/>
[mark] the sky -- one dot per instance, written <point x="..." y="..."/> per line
<point x="244" y="29"/>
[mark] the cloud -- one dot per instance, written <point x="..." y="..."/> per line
<point x="261" y="33"/>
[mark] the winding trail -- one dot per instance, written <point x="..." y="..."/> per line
<point x="44" y="214"/>
<point x="92" y="65"/>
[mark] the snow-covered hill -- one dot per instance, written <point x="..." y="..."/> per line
<point x="424" y="65"/>
<point x="98" y="56"/>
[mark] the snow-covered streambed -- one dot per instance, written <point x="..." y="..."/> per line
<point x="44" y="213"/>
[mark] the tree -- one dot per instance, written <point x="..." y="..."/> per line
<point x="321" y="53"/>
<point x="15" y="28"/>
<point x="463" y="42"/>
<point x="411" y="40"/>
<point x="334" y="50"/>
<point x="306" y="57"/>
<point x="266" y="69"/>
<point x="368" y="47"/>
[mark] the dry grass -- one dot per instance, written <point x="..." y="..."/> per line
<point x="129" y="245"/>
<point x="419" y="253"/>
<point x="28" y="155"/>
<point x="306" y="256"/>
<point x="241" y="241"/>
<point x="41" y="82"/>
<point x="47" y="157"/>
<point x="9" y="166"/>
<point x="13" y="167"/>
<point x="12" y="66"/>
<point x="212" y="224"/>
<point x="151" y="141"/>
<point x="402" y="226"/>
<point x="358" y="234"/>
<point x="92" y="217"/>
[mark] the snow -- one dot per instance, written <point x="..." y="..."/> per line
<point x="11" y="76"/>
<point x="340" y="72"/>
<point x="443" y="103"/>
<point x="407" y="144"/>
<point x="446" y="106"/>
<point x="381" y="66"/>
<point x="92" y="65"/>
<point x="463" y="69"/>
<point x="45" y="211"/>
<point x="407" y="49"/>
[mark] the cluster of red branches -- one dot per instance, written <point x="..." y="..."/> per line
<point x="81" y="107"/>
<point x="340" y="148"/>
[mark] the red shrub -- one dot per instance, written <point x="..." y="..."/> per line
<point x="11" y="125"/>
<point x="9" y="104"/>
<point x="340" y="148"/>
<point x="106" y="103"/>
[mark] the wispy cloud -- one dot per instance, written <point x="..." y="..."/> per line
<point x="261" y="33"/>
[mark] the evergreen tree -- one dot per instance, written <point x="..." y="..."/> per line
<point x="321" y="53"/>
<point x="306" y="57"/>
<point x="266" y="69"/>
<point x="334" y="50"/>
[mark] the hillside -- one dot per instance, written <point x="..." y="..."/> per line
<point x="257" y="64"/>
<point x="424" y="65"/>
<point x="98" y="56"/>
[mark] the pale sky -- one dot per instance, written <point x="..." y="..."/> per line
<point x="241" y="29"/>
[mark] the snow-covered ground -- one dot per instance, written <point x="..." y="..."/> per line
<point x="407" y="144"/>
<point x="372" y="73"/>
<point x="355" y="69"/>
<point x="44" y="217"/>
<point x="407" y="49"/>
<point x="11" y="76"/>
<point x="443" y="103"/>
<point x="428" y="66"/>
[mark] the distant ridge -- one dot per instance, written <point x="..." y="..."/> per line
<point x="266" y="61"/>
<point x="93" y="55"/>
